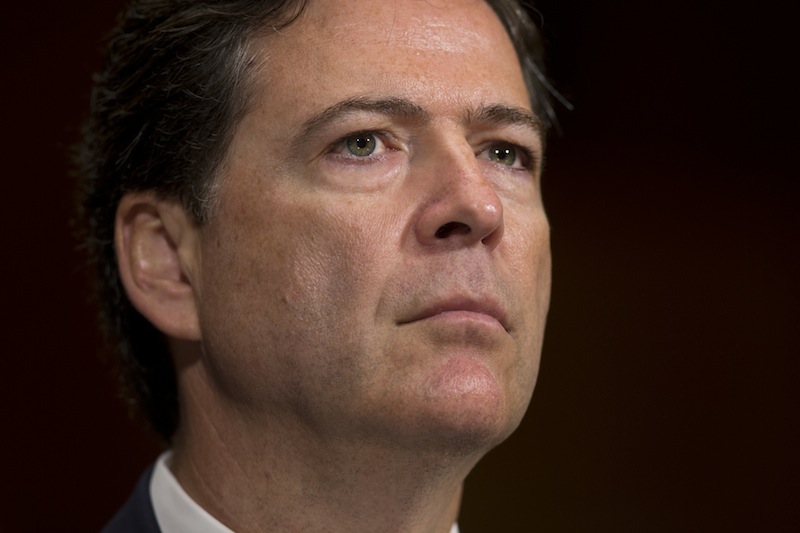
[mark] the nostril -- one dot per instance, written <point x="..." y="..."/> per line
<point x="451" y="228"/>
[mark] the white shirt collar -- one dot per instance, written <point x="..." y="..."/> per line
<point x="176" y="512"/>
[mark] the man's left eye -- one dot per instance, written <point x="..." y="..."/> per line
<point x="504" y="154"/>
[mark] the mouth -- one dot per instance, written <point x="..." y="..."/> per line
<point x="459" y="309"/>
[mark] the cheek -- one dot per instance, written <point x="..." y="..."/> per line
<point x="342" y="255"/>
<point x="291" y="297"/>
<point x="526" y="248"/>
<point x="528" y="259"/>
<point x="316" y="268"/>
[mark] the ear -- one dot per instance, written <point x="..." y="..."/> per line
<point x="159" y="258"/>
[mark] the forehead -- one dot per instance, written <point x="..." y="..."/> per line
<point x="415" y="49"/>
<point x="414" y="24"/>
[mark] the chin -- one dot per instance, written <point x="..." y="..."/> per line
<point x="469" y="411"/>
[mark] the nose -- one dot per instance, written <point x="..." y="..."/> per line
<point x="461" y="206"/>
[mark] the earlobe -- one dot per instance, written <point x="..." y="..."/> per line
<point x="158" y="258"/>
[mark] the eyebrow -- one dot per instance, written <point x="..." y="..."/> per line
<point x="401" y="108"/>
<point x="503" y="115"/>
<point x="390" y="107"/>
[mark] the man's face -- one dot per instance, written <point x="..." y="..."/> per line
<point x="378" y="265"/>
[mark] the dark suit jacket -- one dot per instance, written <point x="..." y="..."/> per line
<point x="137" y="515"/>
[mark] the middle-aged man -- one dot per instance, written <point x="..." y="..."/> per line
<point x="353" y="294"/>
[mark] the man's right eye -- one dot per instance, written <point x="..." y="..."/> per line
<point x="361" y="144"/>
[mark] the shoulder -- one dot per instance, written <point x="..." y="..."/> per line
<point x="136" y="515"/>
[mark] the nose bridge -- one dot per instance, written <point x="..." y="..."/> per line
<point x="461" y="204"/>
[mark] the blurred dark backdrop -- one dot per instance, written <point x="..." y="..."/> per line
<point x="668" y="395"/>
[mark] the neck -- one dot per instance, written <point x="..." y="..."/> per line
<point x="275" y="475"/>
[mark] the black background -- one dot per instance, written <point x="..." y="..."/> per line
<point x="668" y="397"/>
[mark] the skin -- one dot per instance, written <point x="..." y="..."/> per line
<point x="353" y="331"/>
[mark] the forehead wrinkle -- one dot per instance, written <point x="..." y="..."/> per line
<point x="429" y="36"/>
<point x="426" y="32"/>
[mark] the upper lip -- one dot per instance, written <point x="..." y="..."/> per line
<point x="485" y="305"/>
